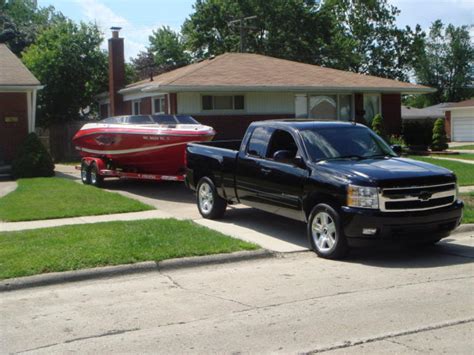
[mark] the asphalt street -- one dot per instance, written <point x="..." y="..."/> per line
<point x="395" y="300"/>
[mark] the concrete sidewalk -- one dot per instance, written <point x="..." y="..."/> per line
<point x="453" y="159"/>
<point x="6" y="187"/>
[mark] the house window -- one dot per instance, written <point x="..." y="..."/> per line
<point x="345" y="107"/>
<point x="223" y="102"/>
<point x="371" y="106"/>
<point x="331" y="107"/>
<point x="136" y="107"/>
<point x="159" y="105"/>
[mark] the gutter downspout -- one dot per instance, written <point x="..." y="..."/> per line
<point x="33" y="110"/>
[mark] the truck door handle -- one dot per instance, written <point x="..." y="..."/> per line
<point x="265" y="171"/>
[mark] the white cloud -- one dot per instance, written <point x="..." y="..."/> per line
<point x="136" y="37"/>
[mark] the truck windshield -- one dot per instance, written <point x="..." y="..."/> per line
<point x="344" y="143"/>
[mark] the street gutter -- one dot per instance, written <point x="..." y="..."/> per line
<point x="127" y="269"/>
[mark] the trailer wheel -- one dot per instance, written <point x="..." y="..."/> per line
<point x="209" y="203"/>
<point x="85" y="174"/>
<point x="96" y="179"/>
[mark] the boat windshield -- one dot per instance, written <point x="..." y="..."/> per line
<point x="154" y="119"/>
<point x="174" y="119"/>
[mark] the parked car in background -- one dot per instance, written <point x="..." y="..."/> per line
<point x="341" y="178"/>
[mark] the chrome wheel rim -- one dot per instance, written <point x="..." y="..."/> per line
<point x="324" y="232"/>
<point x="84" y="174"/>
<point x="206" y="198"/>
<point x="93" y="177"/>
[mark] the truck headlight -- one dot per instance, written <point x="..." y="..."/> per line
<point x="362" y="196"/>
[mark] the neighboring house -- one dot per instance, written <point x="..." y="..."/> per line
<point x="231" y="90"/>
<point x="427" y="113"/>
<point x="460" y="121"/>
<point x="18" y="88"/>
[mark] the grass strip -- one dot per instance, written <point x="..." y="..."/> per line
<point x="47" y="198"/>
<point x="468" y="199"/>
<point x="76" y="247"/>
<point x="463" y="171"/>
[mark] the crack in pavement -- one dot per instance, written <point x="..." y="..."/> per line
<point x="412" y="348"/>
<point x="174" y="282"/>
<point x="109" y="333"/>
<point x="349" y="343"/>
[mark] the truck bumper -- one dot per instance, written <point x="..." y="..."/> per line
<point x="422" y="226"/>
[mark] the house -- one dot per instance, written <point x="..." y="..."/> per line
<point x="231" y="90"/>
<point x="460" y="121"/>
<point x="18" y="89"/>
<point x="428" y="113"/>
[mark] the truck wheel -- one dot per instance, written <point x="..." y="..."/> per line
<point x="85" y="174"/>
<point x="96" y="179"/>
<point x="325" y="234"/>
<point x="210" y="204"/>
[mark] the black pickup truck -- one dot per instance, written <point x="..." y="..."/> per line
<point x="339" y="177"/>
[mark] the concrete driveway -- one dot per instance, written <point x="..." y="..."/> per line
<point x="270" y="231"/>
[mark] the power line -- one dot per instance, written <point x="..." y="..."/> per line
<point x="241" y="21"/>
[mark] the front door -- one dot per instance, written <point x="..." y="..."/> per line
<point x="13" y="124"/>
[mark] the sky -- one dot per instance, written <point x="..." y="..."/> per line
<point x="138" y="18"/>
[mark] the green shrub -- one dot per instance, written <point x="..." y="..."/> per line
<point x="32" y="160"/>
<point x="440" y="141"/>
<point x="396" y="140"/>
<point x="418" y="134"/>
<point x="377" y="125"/>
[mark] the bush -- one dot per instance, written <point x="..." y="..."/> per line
<point x="396" y="140"/>
<point x="377" y="125"/>
<point x="418" y="134"/>
<point x="440" y="141"/>
<point x="32" y="160"/>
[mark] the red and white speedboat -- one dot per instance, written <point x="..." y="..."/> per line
<point x="143" y="145"/>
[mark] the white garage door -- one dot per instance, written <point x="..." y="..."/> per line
<point x="463" y="129"/>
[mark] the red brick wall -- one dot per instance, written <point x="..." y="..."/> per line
<point x="234" y="127"/>
<point x="447" y="124"/>
<point x="392" y="113"/>
<point x="145" y="106"/>
<point x="12" y="134"/>
<point x="173" y="104"/>
<point x="127" y="107"/>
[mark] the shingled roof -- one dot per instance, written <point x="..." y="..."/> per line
<point x="12" y="70"/>
<point x="245" y="71"/>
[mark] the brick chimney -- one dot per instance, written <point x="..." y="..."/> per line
<point x="116" y="72"/>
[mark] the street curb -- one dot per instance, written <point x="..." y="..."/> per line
<point x="120" y="270"/>
<point x="464" y="228"/>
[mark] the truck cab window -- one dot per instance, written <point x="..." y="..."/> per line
<point x="282" y="144"/>
<point x="258" y="142"/>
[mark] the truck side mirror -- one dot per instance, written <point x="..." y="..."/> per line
<point x="299" y="162"/>
<point x="397" y="149"/>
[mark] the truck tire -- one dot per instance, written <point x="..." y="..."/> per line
<point x="325" y="235"/>
<point x="96" y="179"/>
<point x="209" y="203"/>
<point x="85" y="174"/>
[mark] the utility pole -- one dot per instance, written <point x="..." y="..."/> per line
<point x="241" y="21"/>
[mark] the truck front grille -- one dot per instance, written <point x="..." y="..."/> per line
<point x="416" y="198"/>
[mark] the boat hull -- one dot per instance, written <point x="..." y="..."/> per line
<point x="147" y="151"/>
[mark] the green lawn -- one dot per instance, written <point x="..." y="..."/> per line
<point x="112" y="243"/>
<point x="468" y="199"/>
<point x="46" y="198"/>
<point x="463" y="147"/>
<point x="464" y="172"/>
<point x="465" y="156"/>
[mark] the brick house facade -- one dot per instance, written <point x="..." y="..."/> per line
<point x="18" y="88"/>
<point x="229" y="91"/>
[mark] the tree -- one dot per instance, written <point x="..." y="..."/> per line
<point x="355" y="35"/>
<point x="367" y="39"/>
<point x="446" y="62"/>
<point x="32" y="160"/>
<point x="440" y="141"/>
<point x="289" y="29"/>
<point x="66" y="58"/>
<point x="22" y="20"/>
<point x="168" y="48"/>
